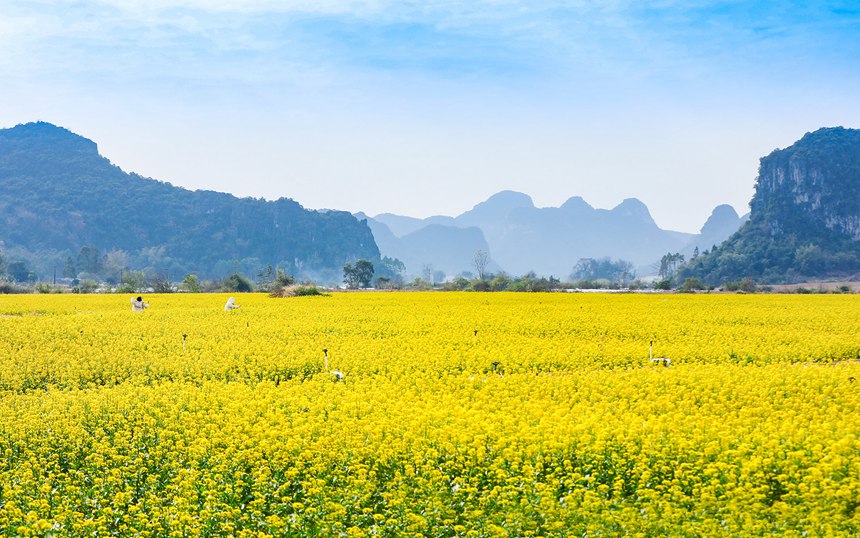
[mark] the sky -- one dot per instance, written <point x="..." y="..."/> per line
<point x="429" y="107"/>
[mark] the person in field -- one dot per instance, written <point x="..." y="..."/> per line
<point x="137" y="305"/>
<point x="231" y="305"/>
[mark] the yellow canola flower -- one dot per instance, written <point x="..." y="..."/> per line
<point x="549" y="421"/>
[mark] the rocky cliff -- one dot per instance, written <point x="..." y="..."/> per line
<point x="812" y="185"/>
<point x="805" y="216"/>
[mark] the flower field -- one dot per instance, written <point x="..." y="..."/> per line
<point x="459" y="414"/>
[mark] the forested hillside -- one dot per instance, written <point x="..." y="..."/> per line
<point x="804" y="220"/>
<point x="61" y="202"/>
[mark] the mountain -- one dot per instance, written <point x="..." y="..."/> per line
<point x="449" y="249"/>
<point x="521" y="237"/>
<point x="804" y="219"/>
<point x="723" y="222"/>
<point x="58" y="195"/>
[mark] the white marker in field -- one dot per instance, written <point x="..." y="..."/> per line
<point x="666" y="361"/>
<point x="336" y="373"/>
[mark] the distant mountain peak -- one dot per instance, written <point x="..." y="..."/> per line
<point x="723" y="216"/>
<point x="507" y="200"/>
<point x="576" y="203"/>
<point x="41" y="134"/>
<point x="633" y="207"/>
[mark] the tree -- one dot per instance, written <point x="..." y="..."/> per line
<point x="692" y="284"/>
<point x="115" y="262"/>
<point x="358" y="275"/>
<point x="161" y="284"/>
<point x="132" y="281"/>
<point x="602" y="269"/>
<point x="274" y="282"/>
<point x="89" y="259"/>
<point x="392" y="266"/>
<point x="237" y="282"/>
<point x="2" y="262"/>
<point x="810" y="259"/>
<point x="69" y="270"/>
<point x="479" y="262"/>
<point x="190" y="284"/>
<point x="669" y="264"/>
<point x="19" y="271"/>
<point x="428" y="273"/>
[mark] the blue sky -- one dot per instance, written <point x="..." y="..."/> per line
<point x="427" y="108"/>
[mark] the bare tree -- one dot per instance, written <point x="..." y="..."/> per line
<point x="479" y="262"/>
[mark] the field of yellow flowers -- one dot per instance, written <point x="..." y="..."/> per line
<point x="459" y="414"/>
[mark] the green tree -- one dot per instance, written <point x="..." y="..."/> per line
<point x="280" y="281"/>
<point x="238" y="283"/>
<point x="69" y="270"/>
<point x="89" y="259"/>
<point x="115" y="263"/>
<point x="190" y="284"/>
<point x="391" y="268"/>
<point x="132" y="282"/>
<point x="603" y="269"/>
<point x="2" y="262"/>
<point x="810" y="259"/>
<point x="358" y="275"/>
<point x="19" y="271"/>
<point x="692" y="284"/>
<point x="669" y="265"/>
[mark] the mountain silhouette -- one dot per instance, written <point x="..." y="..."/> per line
<point x="521" y="237"/>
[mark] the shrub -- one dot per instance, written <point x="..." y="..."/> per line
<point x="303" y="290"/>
<point x="664" y="284"/>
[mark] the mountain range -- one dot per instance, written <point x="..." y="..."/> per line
<point x="63" y="205"/>
<point x="521" y="237"/>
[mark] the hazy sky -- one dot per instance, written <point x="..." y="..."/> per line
<point x="429" y="107"/>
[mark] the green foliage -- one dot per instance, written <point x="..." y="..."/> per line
<point x="132" y="282"/>
<point x="692" y="284"/>
<point x="85" y="286"/>
<point x="669" y="264"/>
<point x="358" y="275"/>
<point x="603" y="269"/>
<point x="664" y="284"/>
<point x="303" y="290"/>
<point x="745" y="285"/>
<point x="273" y="281"/>
<point x="89" y="259"/>
<point x="238" y="283"/>
<point x="160" y="284"/>
<point x="9" y="288"/>
<point x="44" y="287"/>
<point x="69" y="270"/>
<point x="307" y="291"/>
<point x="190" y="284"/>
<point x="20" y="271"/>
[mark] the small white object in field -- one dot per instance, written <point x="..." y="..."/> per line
<point x="231" y="304"/>
<point x="664" y="360"/>
<point x="337" y="374"/>
<point x="137" y="305"/>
